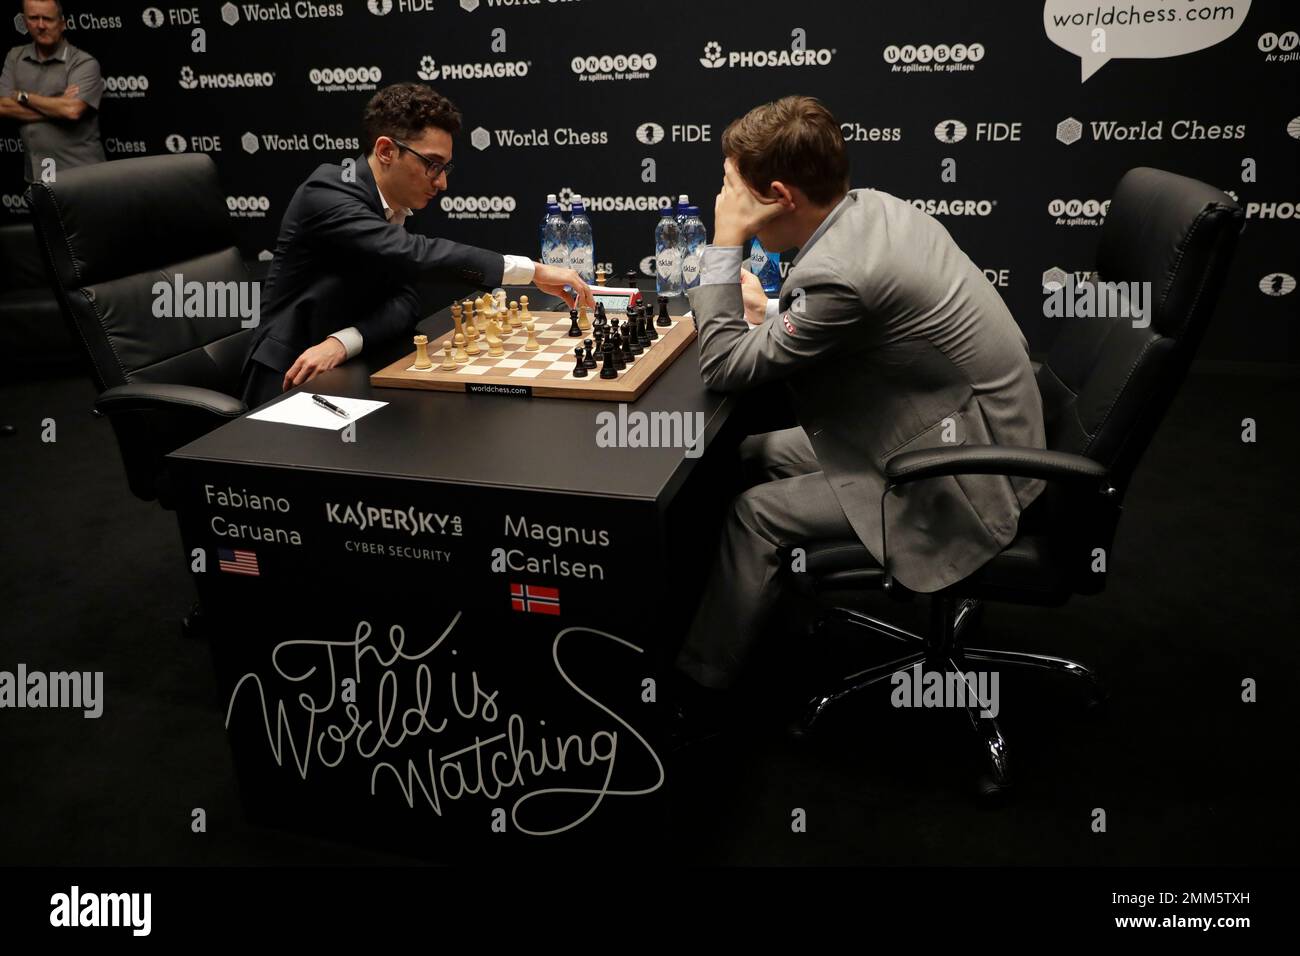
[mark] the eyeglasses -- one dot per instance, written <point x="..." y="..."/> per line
<point x="431" y="166"/>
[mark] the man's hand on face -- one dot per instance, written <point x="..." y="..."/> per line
<point x="554" y="280"/>
<point x="739" y="212"/>
<point x="755" y="298"/>
<point x="317" y="359"/>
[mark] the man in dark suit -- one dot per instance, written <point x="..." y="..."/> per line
<point x="345" y="266"/>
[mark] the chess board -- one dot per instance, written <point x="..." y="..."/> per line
<point x="548" y="372"/>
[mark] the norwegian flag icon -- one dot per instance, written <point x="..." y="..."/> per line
<point x="534" y="599"/>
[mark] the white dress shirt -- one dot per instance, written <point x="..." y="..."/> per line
<point x="518" y="270"/>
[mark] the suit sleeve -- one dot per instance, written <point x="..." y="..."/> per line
<point x="344" y="226"/>
<point x="397" y="315"/>
<point x="819" y="322"/>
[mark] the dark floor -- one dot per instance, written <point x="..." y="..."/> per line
<point x="1201" y="596"/>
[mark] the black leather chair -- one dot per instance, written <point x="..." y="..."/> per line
<point x="33" y="337"/>
<point x="1106" y="385"/>
<point x="108" y="233"/>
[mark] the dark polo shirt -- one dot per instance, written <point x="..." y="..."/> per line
<point x="68" y="143"/>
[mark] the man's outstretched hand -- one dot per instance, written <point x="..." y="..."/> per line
<point x="565" y="283"/>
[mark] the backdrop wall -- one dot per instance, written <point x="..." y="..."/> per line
<point x="985" y="114"/>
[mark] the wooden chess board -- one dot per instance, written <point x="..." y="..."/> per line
<point x="547" y="372"/>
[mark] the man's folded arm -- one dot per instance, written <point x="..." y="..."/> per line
<point x="733" y="356"/>
<point x="351" y="229"/>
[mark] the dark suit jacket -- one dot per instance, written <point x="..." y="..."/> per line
<point x="340" y="263"/>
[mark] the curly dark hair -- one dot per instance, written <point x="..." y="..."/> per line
<point x="404" y="111"/>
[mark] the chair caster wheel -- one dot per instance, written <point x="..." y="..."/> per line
<point x="991" y="792"/>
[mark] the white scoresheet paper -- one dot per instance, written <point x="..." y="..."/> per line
<point x="299" y="409"/>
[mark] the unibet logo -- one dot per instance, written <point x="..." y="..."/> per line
<point x="175" y="143"/>
<point x="1281" y="48"/>
<point x="125" y="87"/>
<point x="1078" y="212"/>
<point x="153" y="17"/>
<point x="939" y="58"/>
<point x="650" y="133"/>
<point x="248" y="207"/>
<point x="714" y="58"/>
<point x="1069" y="130"/>
<point x="1277" y="284"/>
<point x="1293" y="128"/>
<point x="380" y="8"/>
<point x="249" y="142"/>
<point x="478" y="207"/>
<point x="628" y="65"/>
<point x="345" y="77"/>
<point x="950" y="131"/>
<point x="230" y="14"/>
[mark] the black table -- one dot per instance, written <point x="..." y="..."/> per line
<point x="450" y="632"/>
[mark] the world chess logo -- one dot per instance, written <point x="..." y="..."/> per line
<point x="1069" y="130"/>
<point x="1277" y="284"/>
<point x="950" y="131"/>
<point x="20" y="24"/>
<point x="1293" y="128"/>
<point x="1054" y="279"/>
<point x="175" y="143"/>
<point x="480" y="139"/>
<point x="380" y="8"/>
<point x="650" y="133"/>
<point x="153" y="17"/>
<point x="188" y="79"/>
<point x="713" y="57"/>
<point x="469" y="6"/>
<point x="266" y="255"/>
<point x="428" y="68"/>
<point x="249" y="142"/>
<point x="230" y="14"/>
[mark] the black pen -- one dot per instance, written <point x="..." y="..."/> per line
<point x="331" y="406"/>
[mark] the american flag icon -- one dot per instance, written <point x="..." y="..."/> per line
<point x="535" y="599"/>
<point x="238" y="562"/>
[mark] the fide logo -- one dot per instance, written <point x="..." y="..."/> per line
<point x="153" y="17"/>
<point x="650" y="133"/>
<point x="125" y="87"/>
<point x="1293" y="128"/>
<point x="1277" y="284"/>
<point x="950" y="131"/>
<point x="380" y="8"/>
<point x="176" y="143"/>
<point x="248" y="207"/>
<point x="478" y="207"/>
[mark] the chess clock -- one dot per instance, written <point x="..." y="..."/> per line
<point x="616" y="299"/>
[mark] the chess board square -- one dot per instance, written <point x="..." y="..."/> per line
<point x="510" y="363"/>
<point x="475" y="369"/>
<point x="525" y="373"/>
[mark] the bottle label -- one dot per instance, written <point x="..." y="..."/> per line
<point x="582" y="259"/>
<point x="691" y="269"/>
<point x="668" y="264"/>
<point x="556" y="255"/>
<point x="757" y="259"/>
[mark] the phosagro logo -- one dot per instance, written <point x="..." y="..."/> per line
<point x="1078" y="212"/>
<point x="477" y="207"/>
<point x="939" y="58"/>
<point x="650" y="133"/>
<point x="798" y="55"/>
<point x="1274" y="284"/>
<point x="619" y="66"/>
<point x="125" y="87"/>
<point x="1280" y="47"/>
<point x="248" y="207"/>
<point x="954" y="207"/>
<point x="224" y="81"/>
<point x="351" y="79"/>
<point x="500" y="69"/>
<point x="1272" y="210"/>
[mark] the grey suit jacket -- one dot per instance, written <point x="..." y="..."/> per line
<point x="890" y="339"/>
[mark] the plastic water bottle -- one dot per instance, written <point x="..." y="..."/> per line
<point x="694" y="239"/>
<point x="766" y="265"/>
<point x="552" y="204"/>
<point x="582" y="247"/>
<point x="683" y="203"/>
<point x="555" y="237"/>
<point x="668" y="254"/>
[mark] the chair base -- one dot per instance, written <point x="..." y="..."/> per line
<point x="942" y="650"/>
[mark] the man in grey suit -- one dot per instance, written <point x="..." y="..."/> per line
<point x="888" y="338"/>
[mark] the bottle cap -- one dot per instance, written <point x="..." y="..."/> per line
<point x="552" y="199"/>
<point x="683" y="199"/>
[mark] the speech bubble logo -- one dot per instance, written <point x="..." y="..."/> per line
<point x="1139" y="29"/>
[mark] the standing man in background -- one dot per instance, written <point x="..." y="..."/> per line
<point x="52" y="89"/>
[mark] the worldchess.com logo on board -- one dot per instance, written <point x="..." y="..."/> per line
<point x="477" y="207"/>
<point x="799" y="54"/>
<point x="430" y="69"/>
<point x="618" y="66"/>
<point x="350" y="79"/>
<point x="189" y="80"/>
<point x="248" y="207"/>
<point x="936" y="58"/>
<point x="125" y="87"/>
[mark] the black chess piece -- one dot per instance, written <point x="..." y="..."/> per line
<point x="643" y="336"/>
<point x="620" y="360"/>
<point x="590" y="360"/>
<point x="608" y="366"/>
<point x="631" y="278"/>
<point x="663" y="321"/>
<point x="574" y="331"/>
<point x="633" y="340"/>
<point x="651" y="332"/>
<point x="600" y="311"/>
<point x="626" y="342"/>
<point x="580" y="369"/>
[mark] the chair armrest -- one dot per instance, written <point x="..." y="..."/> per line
<point x="994" y="460"/>
<point x="149" y="397"/>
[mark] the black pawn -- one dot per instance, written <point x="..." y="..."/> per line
<point x="631" y="278"/>
<point x="590" y="360"/>
<point x="608" y="367"/>
<point x="642" y="335"/>
<point x="651" y="332"/>
<point x="574" y="331"/>
<point x="633" y="340"/>
<point x="628" y="355"/>
<point x="620" y="359"/>
<point x="663" y="321"/>
<point x="579" y="370"/>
